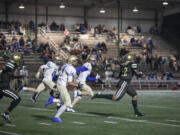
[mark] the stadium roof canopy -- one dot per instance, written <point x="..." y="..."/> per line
<point x="143" y="4"/>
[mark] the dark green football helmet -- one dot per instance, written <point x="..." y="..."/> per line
<point x="128" y="58"/>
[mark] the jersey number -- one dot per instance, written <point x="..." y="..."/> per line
<point x="124" y="72"/>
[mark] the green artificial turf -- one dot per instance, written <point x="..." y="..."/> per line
<point x="96" y="117"/>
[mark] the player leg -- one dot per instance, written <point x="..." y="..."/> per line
<point x="66" y="100"/>
<point x="133" y="94"/>
<point x="39" y="89"/>
<point x="16" y="100"/>
<point x="119" y="93"/>
<point x="54" y="98"/>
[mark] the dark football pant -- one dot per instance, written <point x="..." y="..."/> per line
<point x="13" y="95"/>
<point x="124" y="87"/>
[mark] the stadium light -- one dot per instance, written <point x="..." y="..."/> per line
<point x="21" y="6"/>
<point x="62" y="5"/>
<point x="165" y="3"/>
<point x="135" y="9"/>
<point x="102" y="11"/>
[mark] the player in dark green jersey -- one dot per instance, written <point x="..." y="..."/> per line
<point x="128" y="69"/>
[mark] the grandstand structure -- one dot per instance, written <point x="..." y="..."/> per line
<point x="87" y="12"/>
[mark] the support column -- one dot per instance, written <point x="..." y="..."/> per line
<point x="47" y="15"/>
<point x="156" y="18"/>
<point x="36" y="26"/>
<point x="118" y="25"/>
<point x="6" y="11"/>
<point x="85" y="16"/>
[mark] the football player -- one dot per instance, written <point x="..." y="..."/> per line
<point x="66" y="76"/>
<point x="84" y="76"/>
<point x="49" y="71"/>
<point x="6" y="76"/>
<point x="128" y="69"/>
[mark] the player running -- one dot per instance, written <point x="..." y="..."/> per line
<point x="6" y="76"/>
<point x="86" y="90"/>
<point x="128" y="69"/>
<point x="49" y="71"/>
<point x="66" y="76"/>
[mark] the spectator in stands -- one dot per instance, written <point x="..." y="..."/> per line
<point x="103" y="46"/>
<point x="75" y="38"/>
<point x="54" y="26"/>
<point x="85" y="52"/>
<point x="25" y="50"/>
<point x="98" y="46"/>
<point x="31" y="24"/>
<point x="82" y="29"/>
<point x="156" y="62"/>
<point x="15" y="45"/>
<point x="3" y="41"/>
<point x="21" y="42"/>
<point x="150" y="44"/>
<point x="62" y="27"/>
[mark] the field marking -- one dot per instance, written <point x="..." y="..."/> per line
<point x="150" y="106"/>
<point x="10" y="125"/>
<point x="110" y="117"/>
<point x="145" y="121"/>
<point x="80" y="123"/>
<point x="110" y="122"/>
<point x="47" y="124"/>
<point x="173" y="120"/>
<point x="9" y="133"/>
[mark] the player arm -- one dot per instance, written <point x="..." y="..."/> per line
<point x="81" y="69"/>
<point x="137" y="72"/>
<point x="90" y="79"/>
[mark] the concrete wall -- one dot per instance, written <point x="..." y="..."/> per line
<point x="72" y="15"/>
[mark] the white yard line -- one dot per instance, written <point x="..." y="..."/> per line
<point x="110" y="117"/>
<point x="10" y="125"/>
<point x="110" y="122"/>
<point x="149" y="106"/>
<point x="47" y="124"/>
<point x="173" y="120"/>
<point x="145" y="121"/>
<point x="9" y="133"/>
<point x="80" y="123"/>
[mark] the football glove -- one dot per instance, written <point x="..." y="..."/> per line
<point x="97" y="76"/>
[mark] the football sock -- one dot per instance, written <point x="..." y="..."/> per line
<point x="55" y="100"/>
<point x="134" y="103"/>
<point x="60" y="111"/>
<point x="106" y="96"/>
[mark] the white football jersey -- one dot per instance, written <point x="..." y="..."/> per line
<point x="67" y="74"/>
<point x="83" y="75"/>
<point x="49" y="70"/>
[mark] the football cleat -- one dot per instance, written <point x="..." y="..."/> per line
<point x="6" y="117"/>
<point x="49" y="101"/>
<point x="33" y="100"/>
<point x="69" y="109"/>
<point x="138" y="114"/>
<point x="95" y="96"/>
<point x="55" y="119"/>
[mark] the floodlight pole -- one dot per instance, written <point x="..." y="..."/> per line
<point x="36" y="26"/>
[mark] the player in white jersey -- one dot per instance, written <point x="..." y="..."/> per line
<point x="84" y="76"/>
<point x="49" y="70"/>
<point x="85" y="72"/>
<point x="66" y="76"/>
